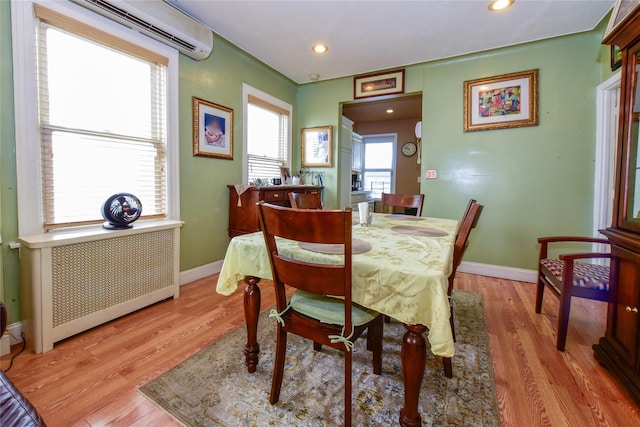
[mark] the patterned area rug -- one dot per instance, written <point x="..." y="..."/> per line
<point x="213" y="388"/>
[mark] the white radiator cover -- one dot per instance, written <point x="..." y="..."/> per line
<point x="75" y="281"/>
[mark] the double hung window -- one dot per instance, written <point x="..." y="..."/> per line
<point x="102" y="122"/>
<point x="379" y="164"/>
<point x="268" y="135"/>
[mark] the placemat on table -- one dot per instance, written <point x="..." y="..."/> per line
<point x="357" y="247"/>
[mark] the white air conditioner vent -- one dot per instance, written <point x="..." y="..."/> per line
<point x="160" y="21"/>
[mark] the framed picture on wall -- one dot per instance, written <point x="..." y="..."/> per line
<point x="501" y="102"/>
<point x="212" y="130"/>
<point x="317" y="147"/>
<point x="389" y="83"/>
<point x="616" y="57"/>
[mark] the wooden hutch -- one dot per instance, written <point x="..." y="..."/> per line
<point x="243" y="213"/>
<point x="619" y="349"/>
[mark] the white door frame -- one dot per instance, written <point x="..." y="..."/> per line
<point x="607" y="110"/>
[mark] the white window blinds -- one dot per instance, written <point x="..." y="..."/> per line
<point x="102" y="122"/>
<point x="267" y="138"/>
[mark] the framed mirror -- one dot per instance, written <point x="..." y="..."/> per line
<point x="317" y="147"/>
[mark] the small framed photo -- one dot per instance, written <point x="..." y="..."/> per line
<point x="212" y="130"/>
<point x="616" y="57"/>
<point x="317" y="147"/>
<point x="285" y="175"/>
<point x="501" y="102"/>
<point x="388" y="83"/>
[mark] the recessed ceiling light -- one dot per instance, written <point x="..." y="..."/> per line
<point x="389" y="111"/>
<point x="319" y="48"/>
<point x="314" y="76"/>
<point x="498" y="5"/>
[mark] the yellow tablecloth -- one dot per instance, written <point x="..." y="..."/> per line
<point x="403" y="275"/>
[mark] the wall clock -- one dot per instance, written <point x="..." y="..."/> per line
<point x="409" y="149"/>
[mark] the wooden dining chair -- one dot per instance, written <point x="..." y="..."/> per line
<point x="333" y="321"/>
<point x="412" y="203"/>
<point x="570" y="276"/>
<point x="311" y="200"/>
<point x="468" y="223"/>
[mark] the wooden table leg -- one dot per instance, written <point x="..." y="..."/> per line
<point x="414" y="358"/>
<point x="251" y="314"/>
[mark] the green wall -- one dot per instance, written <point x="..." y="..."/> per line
<point x="532" y="181"/>
<point x="204" y="196"/>
<point x="8" y="195"/>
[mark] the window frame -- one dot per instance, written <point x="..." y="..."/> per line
<point x="250" y="91"/>
<point x="377" y="139"/>
<point x="27" y="129"/>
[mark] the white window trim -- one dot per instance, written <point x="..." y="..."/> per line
<point x="251" y="91"/>
<point x="27" y="132"/>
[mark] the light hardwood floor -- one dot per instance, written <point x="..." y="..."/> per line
<point x="92" y="379"/>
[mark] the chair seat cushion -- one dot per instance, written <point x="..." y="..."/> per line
<point x="585" y="275"/>
<point x="329" y="310"/>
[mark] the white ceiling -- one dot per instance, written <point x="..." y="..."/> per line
<point x="367" y="36"/>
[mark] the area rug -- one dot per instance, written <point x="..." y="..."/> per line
<point x="213" y="387"/>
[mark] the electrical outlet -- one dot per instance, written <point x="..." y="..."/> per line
<point x="431" y="174"/>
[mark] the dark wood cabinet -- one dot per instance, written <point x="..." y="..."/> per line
<point x="619" y="349"/>
<point x="243" y="214"/>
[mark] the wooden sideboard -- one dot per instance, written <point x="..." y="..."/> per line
<point x="243" y="216"/>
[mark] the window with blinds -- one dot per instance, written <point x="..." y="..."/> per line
<point x="379" y="164"/>
<point x="102" y="122"/>
<point x="267" y="138"/>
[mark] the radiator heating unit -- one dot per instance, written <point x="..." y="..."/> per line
<point x="76" y="281"/>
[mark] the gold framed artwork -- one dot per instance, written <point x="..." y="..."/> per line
<point x="388" y="83"/>
<point x="212" y="130"/>
<point x="501" y="102"/>
<point x="317" y="147"/>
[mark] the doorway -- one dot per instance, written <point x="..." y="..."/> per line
<point x="607" y="105"/>
<point x="370" y="117"/>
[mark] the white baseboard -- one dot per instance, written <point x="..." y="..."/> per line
<point x="189" y="276"/>
<point x="11" y="337"/>
<point x="510" y="273"/>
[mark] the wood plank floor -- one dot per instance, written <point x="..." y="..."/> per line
<point x="92" y="379"/>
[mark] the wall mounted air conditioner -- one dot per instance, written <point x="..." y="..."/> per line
<point x="160" y="21"/>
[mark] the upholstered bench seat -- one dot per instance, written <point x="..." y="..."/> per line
<point x="585" y="275"/>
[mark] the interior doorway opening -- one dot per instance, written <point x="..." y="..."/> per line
<point x="371" y="117"/>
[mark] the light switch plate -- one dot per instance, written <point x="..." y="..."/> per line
<point x="431" y="174"/>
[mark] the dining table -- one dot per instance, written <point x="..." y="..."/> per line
<point x="400" y="268"/>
